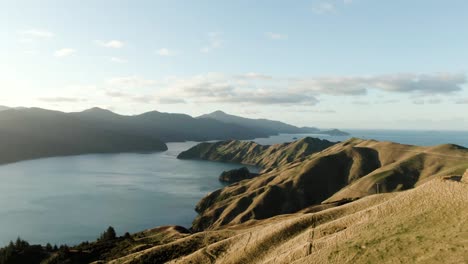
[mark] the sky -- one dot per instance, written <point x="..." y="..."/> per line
<point x="328" y="63"/>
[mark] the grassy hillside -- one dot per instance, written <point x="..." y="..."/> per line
<point x="423" y="225"/>
<point x="315" y="208"/>
<point x="252" y="153"/>
<point x="347" y="170"/>
<point x="426" y="224"/>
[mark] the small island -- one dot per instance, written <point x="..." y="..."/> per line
<point x="236" y="175"/>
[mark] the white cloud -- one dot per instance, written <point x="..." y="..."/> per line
<point x="276" y="36"/>
<point x="117" y="60"/>
<point x="255" y="75"/>
<point x="261" y="89"/>
<point x="323" y="8"/>
<point x="314" y="111"/>
<point x="423" y="84"/>
<point x="115" y="44"/>
<point x="65" y="52"/>
<point x="170" y="100"/>
<point x="348" y="2"/>
<point x="130" y="97"/>
<point x="131" y="82"/>
<point x="165" y="52"/>
<point x="462" y="101"/>
<point x="30" y="52"/>
<point x="37" y="33"/>
<point x="214" y="42"/>
<point x="62" y="99"/>
<point x="219" y="88"/>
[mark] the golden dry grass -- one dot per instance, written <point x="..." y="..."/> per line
<point x="350" y="169"/>
<point x="428" y="224"/>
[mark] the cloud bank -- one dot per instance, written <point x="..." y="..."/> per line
<point x="262" y="89"/>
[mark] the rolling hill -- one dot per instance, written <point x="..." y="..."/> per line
<point x="251" y="153"/>
<point x="426" y="224"/>
<point x="344" y="171"/>
<point x="311" y="204"/>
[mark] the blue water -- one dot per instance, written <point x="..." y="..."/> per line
<point x="73" y="199"/>
<point x="421" y="138"/>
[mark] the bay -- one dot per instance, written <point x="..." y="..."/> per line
<point x="73" y="199"/>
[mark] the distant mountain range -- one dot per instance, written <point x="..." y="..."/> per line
<point x="28" y="133"/>
<point x="269" y="126"/>
<point x="36" y="133"/>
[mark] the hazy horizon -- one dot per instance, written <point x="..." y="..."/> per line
<point x="356" y="64"/>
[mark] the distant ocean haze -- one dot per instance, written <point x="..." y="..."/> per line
<point x="411" y="137"/>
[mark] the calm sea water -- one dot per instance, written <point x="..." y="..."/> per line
<point x="421" y="138"/>
<point x="73" y="199"/>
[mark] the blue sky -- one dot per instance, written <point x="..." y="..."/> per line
<point x="344" y="63"/>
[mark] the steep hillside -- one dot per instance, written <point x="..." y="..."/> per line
<point x="36" y="133"/>
<point x="271" y="126"/>
<point x="252" y="153"/>
<point x="347" y="170"/>
<point x="423" y="225"/>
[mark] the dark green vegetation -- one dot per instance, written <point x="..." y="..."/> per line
<point x="107" y="247"/>
<point x="29" y="133"/>
<point x="20" y="252"/>
<point x="108" y="235"/>
<point x="270" y="126"/>
<point x="236" y="175"/>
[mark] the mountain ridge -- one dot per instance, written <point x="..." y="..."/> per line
<point x="251" y="153"/>
<point x="272" y="126"/>
<point x="346" y="170"/>
<point x="35" y="132"/>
